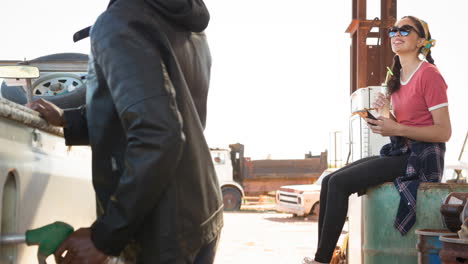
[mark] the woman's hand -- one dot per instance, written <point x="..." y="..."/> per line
<point x="384" y="126"/>
<point x="380" y="101"/>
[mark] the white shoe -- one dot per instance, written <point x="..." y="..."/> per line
<point x="308" y="260"/>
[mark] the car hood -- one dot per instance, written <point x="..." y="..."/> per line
<point x="300" y="188"/>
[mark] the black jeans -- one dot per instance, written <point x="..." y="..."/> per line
<point x="204" y="255"/>
<point x="339" y="185"/>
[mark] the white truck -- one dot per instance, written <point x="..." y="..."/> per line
<point x="41" y="180"/>
<point x="240" y="176"/>
<point x="232" y="190"/>
<point x="301" y="200"/>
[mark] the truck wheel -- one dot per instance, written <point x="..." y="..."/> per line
<point x="231" y="199"/>
<point x="76" y="97"/>
<point x="72" y="99"/>
<point x="315" y="209"/>
<point x="44" y="87"/>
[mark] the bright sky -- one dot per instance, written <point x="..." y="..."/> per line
<point x="280" y="76"/>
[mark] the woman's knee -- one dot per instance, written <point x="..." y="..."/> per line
<point x="325" y="181"/>
<point x="339" y="182"/>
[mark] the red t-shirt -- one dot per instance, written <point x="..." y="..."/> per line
<point x="424" y="91"/>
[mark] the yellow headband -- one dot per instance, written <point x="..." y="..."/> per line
<point x="426" y="28"/>
<point x="428" y="43"/>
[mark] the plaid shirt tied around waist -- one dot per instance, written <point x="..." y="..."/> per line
<point x="425" y="164"/>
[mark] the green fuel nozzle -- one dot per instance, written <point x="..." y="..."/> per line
<point x="48" y="238"/>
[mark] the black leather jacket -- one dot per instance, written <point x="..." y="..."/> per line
<point x="152" y="169"/>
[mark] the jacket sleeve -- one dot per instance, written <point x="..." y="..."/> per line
<point x="75" y="129"/>
<point x="131" y="67"/>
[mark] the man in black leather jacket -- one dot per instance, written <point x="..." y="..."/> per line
<point x="145" y="113"/>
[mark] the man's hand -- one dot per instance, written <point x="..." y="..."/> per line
<point x="80" y="249"/>
<point x="50" y="112"/>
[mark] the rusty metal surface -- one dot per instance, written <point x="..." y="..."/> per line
<point x="285" y="166"/>
<point x="451" y="209"/>
<point x="273" y="169"/>
<point x="429" y="245"/>
<point x="264" y="176"/>
<point x="451" y="216"/>
<point x="361" y="11"/>
<point x="382" y="243"/>
<point x="453" y="250"/>
<point x="389" y="12"/>
<point x="369" y="62"/>
<point x="452" y="187"/>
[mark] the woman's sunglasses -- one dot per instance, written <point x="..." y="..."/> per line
<point x="404" y="31"/>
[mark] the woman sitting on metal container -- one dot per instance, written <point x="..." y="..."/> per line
<point x="418" y="131"/>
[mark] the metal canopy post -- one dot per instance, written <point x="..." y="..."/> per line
<point x="369" y="61"/>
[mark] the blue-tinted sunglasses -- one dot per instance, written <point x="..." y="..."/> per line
<point x="404" y="31"/>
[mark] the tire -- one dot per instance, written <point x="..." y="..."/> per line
<point x="72" y="99"/>
<point x="232" y="199"/>
<point x="42" y="88"/>
<point x="315" y="210"/>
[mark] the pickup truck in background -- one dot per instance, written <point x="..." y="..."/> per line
<point x="240" y="176"/>
<point x="301" y="200"/>
<point x="41" y="180"/>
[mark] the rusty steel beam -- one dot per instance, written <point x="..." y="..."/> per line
<point x="368" y="62"/>
<point x="356" y="24"/>
<point x="353" y="61"/>
<point x="354" y="10"/>
<point x="388" y="10"/>
<point x="362" y="61"/>
<point x="361" y="9"/>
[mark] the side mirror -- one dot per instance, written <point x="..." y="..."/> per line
<point x="19" y="72"/>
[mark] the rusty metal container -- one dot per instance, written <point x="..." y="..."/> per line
<point x="454" y="250"/>
<point x="429" y="245"/>
<point x="382" y="243"/>
<point x="452" y="209"/>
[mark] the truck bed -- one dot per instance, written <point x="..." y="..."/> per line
<point x="264" y="176"/>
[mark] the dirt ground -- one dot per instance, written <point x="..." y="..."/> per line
<point x="264" y="236"/>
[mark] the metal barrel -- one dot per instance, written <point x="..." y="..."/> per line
<point x="382" y="243"/>
<point x="12" y="239"/>
<point x="429" y="245"/>
<point x="454" y="250"/>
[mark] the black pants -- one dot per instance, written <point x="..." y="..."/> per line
<point x="339" y="185"/>
<point x="204" y="255"/>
